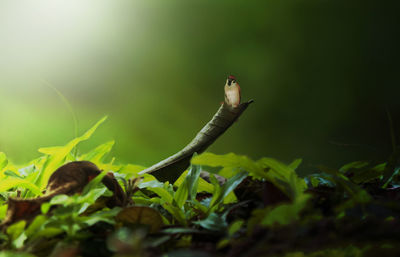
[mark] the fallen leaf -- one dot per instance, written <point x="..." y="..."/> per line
<point x="141" y="215"/>
<point x="69" y="179"/>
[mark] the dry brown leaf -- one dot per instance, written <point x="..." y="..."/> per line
<point x="69" y="179"/>
<point x="142" y="215"/>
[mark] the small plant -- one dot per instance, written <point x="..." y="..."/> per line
<point x="261" y="208"/>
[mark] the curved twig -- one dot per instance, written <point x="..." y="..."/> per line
<point x="171" y="168"/>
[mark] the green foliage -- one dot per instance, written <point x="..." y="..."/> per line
<point x="231" y="163"/>
<point x="281" y="175"/>
<point x="97" y="154"/>
<point x="68" y="217"/>
<point x="213" y="222"/>
<point x="202" y="185"/>
<point x="188" y="189"/>
<point x="192" y="205"/>
<point x="55" y="156"/>
<point x="182" y="203"/>
<point x="363" y="172"/>
<point x="221" y="192"/>
<point x="32" y="179"/>
<point x="3" y="161"/>
<point x="12" y="182"/>
<point x="283" y="214"/>
<point x="16" y="233"/>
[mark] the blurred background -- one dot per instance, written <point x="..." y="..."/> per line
<point x="322" y="75"/>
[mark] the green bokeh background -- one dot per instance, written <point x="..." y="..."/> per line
<point x="321" y="74"/>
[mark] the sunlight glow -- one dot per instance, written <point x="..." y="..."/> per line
<point x="49" y="37"/>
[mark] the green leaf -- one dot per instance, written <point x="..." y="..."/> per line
<point x="11" y="182"/>
<point x="181" y="195"/>
<point x="351" y="188"/>
<point x="193" y="180"/>
<point x="283" y="214"/>
<point x="392" y="177"/>
<point x="56" y="155"/>
<point x="353" y="165"/>
<point x="49" y="232"/>
<point x="59" y="199"/>
<point x="176" y="212"/>
<point x="189" y="186"/>
<point x="222" y="243"/>
<point x="295" y="164"/>
<point x="216" y="193"/>
<point x="105" y="216"/>
<point x="151" y="184"/>
<point x="12" y="174"/>
<point x="16" y="229"/>
<point x="235" y="227"/>
<point x="227" y="188"/>
<point x="45" y="207"/>
<point x="35" y="226"/>
<point x="360" y="197"/>
<point x="281" y="175"/>
<point x="97" y="154"/>
<point x="93" y="183"/>
<point x="315" y="180"/>
<point x="213" y="222"/>
<point x="357" y="195"/>
<point x="163" y="193"/>
<point x="133" y="171"/>
<point x="284" y="177"/>
<point x="158" y="188"/>
<point x="3" y="161"/>
<point x="143" y="201"/>
<point x="366" y="175"/>
<point x="361" y="172"/>
<point x="3" y="211"/>
<point x="390" y="167"/>
<point x="90" y="198"/>
<point x="230" y="160"/>
<point x="202" y="186"/>
<point x="180" y="230"/>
